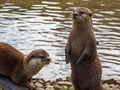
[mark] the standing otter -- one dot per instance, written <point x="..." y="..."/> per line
<point x="19" y="67"/>
<point x="81" y="52"/>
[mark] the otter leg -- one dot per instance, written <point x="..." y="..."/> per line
<point x="29" y="80"/>
<point x="26" y="82"/>
<point x="75" y="84"/>
<point x="29" y="86"/>
<point x="88" y="53"/>
<point x="85" y="56"/>
<point x="67" y="52"/>
<point x="21" y="79"/>
<point x="31" y="83"/>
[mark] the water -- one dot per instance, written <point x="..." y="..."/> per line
<point x="33" y="24"/>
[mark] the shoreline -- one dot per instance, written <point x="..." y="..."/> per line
<point x="61" y="84"/>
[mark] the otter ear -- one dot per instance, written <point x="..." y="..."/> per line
<point x="32" y="56"/>
<point x="90" y="14"/>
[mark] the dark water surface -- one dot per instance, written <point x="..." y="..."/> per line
<point x="33" y="24"/>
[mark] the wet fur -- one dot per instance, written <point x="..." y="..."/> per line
<point x="82" y="54"/>
<point x="17" y="66"/>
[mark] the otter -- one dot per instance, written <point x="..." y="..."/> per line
<point x="19" y="67"/>
<point x="81" y="52"/>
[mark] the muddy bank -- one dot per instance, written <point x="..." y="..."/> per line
<point x="60" y="84"/>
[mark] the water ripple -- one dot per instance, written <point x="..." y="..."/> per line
<point x="47" y="24"/>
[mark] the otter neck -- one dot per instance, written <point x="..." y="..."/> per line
<point x="31" y="66"/>
<point x="82" y="26"/>
<point x="82" y="30"/>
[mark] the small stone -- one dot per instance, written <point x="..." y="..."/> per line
<point x="105" y="86"/>
<point x="59" y="84"/>
<point x="68" y="79"/>
<point x="64" y="83"/>
<point x="110" y="89"/>
<point x="46" y="80"/>
<point x="117" y="87"/>
<point x="57" y="87"/>
<point x="40" y="89"/>
<point x="110" y="81"/>
<point x="41" y="80"/>
<point x="49" y="87"/>
<point x="38" y="84"/>
<point x="118" y="82"/>
<point x="111" y="86"/>
<point x="64" y="87"/>
<point x="51" y="81"/>
<point x="34" y="80"/>
<point x="59" y="79"/>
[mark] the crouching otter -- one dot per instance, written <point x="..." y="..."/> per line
<point x="19" y="67"/>
<point x="81" y="52"/>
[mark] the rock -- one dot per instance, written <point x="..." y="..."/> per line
<point x="110" y="81"/>
<point x="41" y="81"/>
<point x="7" y="84"/>
<point x="105" y="86"/>
<point x="34" y="80"/>
<point x="64" y="83"/>
<point x="112" y="86"/>
<point x="68" y="79"/>
<point x="57" y="87"/>
<point x="60" y="84"/>
<point x="40" y="89"/>
<point x="38" y="84"/>
<point x="49" y="87"/>
<point x="118" y="82"/>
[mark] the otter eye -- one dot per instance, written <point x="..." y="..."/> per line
<point x="81" y="12"/>
<point x="90" y="14"/>
<point x="41" y="57"/>
<point x="32" y="56"/>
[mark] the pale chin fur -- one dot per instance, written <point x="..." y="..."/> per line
<point x="36" y="61"/>
<point x="34" y="66"/>
<point x="81" y="18"/>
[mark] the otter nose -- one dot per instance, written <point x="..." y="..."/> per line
<point x="75" y="14"/>
<point x="49" y="59"/>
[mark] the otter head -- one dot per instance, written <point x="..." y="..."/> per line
<point x="35" y="61"/>
<point x="39" y="57"/>
<point x="82" y="15"/>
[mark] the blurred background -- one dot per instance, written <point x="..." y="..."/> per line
<point x="46" y="24"/>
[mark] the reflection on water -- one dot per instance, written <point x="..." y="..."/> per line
<point x="32" y="24"/>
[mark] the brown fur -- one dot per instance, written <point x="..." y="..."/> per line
<point x="81" y="52"/>
<point x="15" y="65"/>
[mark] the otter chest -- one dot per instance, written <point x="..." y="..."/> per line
<point x="77" y="47"/>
